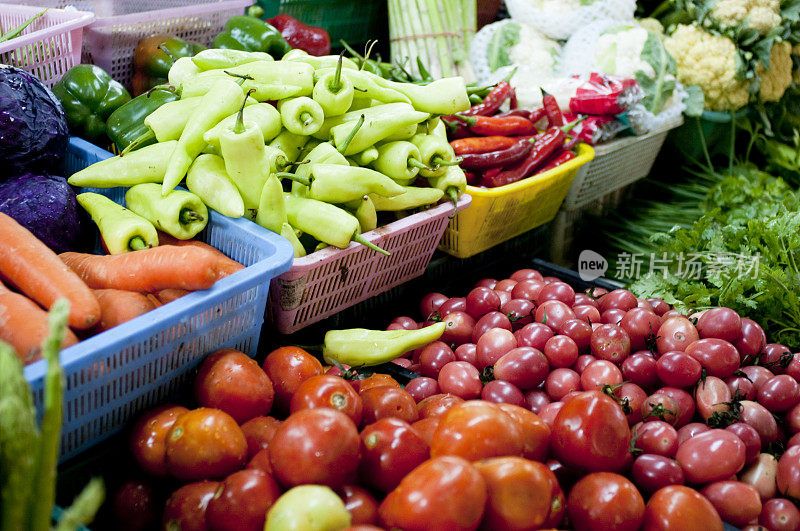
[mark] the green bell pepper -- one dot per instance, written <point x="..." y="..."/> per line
<point x="126" y="124"/>
<point x="153" y="58"/>
<point x="89" y="96"/>
<point x="250" y="34"/>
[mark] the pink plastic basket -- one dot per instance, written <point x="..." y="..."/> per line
<point x="120" y="24"/>
<point x="328" y="281"/>
<point x="47" y="48"/>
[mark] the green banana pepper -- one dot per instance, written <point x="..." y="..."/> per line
<point x="153" y="58"/>
<point x="319" y="61"/>
<point x="264" y="115"/>
<point x="453" y="183"/>
<point x="227" y="58"/>
<point x="365" y="213"/>
<point x="325" y="222"/>
<point x="323" y="153"/>
<point x="412" y="197"/>
<point x="222" y="100"/>
<point x="359" y="347"/>
<point x="366" y="157"/>
<point x="121" y="229"/>
<point x="399" y="160"/>
<point x="301" y="116"/>
<point x="333" y="92"/>
<point x="443" y="96"/>
<point x="272" y="214"/>
<point x="380" y="122"/>
<point x="89" y="96"/>
<point x="272" y="80"/>
<point x="290" y="144"/>
<point x="368" y="85"/>
<point x="180" y="214"/>
<point x="250" y="34"/>
<point x="126" y="124"/>
<point x="168" y="121"/>
<point x="334" y="183"/>
<point x="209" y="181"/>
<point x="435" y="153"/>
<point x="183" y="69"/>
<point x="146" y="165"/>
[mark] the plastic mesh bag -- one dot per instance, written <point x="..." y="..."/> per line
<point x="560" y="19"/>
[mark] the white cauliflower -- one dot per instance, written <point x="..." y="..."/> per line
<point x="761" y="15"/>
<point x="777" y="79"/>
<point x="619" y="51"/>
<point x="708" y="61"/>
<point x="534" y="51"/>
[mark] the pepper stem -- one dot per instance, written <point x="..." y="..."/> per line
<point x="469" y="120"/>
<point x="336" y="86"/>
<point x="137" y="243"/>
<point x="242" y="77"/>
<point x="360" y="239"/>
<point x="414" y="163"/>
<point x="188" y="215"/>
<point x="452" y="193"/>
<point x="238" y="127"/>
<point x="286" y="175"/>
<point x="367" y="51"/>
<point x="439" y="161"/>
<point x="341" y="149"/>
<point x="141" y="139"/>
<point x="306" y="118"/>
<point x="163" y="48"/>
<point x="568" y="127"/>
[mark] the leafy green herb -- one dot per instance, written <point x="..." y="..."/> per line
<point x="659" y="87"/>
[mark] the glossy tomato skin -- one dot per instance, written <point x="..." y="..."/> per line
<point x="205" y="443"/>
<point x="651" y="472"/>
<point x="519" y="311"/>
<point x="477" y="430"/>
<point x="780" y="393"/>
<point x="457" y="487"/>
<point x="287" y="368"/>
<point x="482" y="300"/>
<point x="752" y="340"/>
<point x="535" y="433"/>
<point x="680" y="508"/>
<point x="421" y="387"/>
<point x="605" y="501"/>
<point x="376" y="380"/>
<point x="737" y="503"/>
<point x="149" y="438"/>
<point x="453" y="304"/>
<point x="361" y="505"/>
<point x="233" y="382"/>
<point x="761" y="475"/>
<point x="761" y="419"/>
<point x="524" y="367"/>
<point x="426" y="428"/>
<point x="458" y="328"/>
<point x="719" y="357"/>
<point x="641" y="326"/>
<point x="461" y="379"/>
<point x="242" y="501"/>
<point x="640" y="368"/>
<point x="493" y="319"/>
<point x="186" y="507"/>
<point x="526" y="274"/>
<point x="135" y="506"/>
<point x="591" y="432"/>
<point x="720" y="323"/>
<point x="522" y="494"/>
<point x="599" y="373"/>
<point x="328" y="391"/>
<point x="656" y="437"/>
<point x="315" y="446"/>
<point x="676" y="333"/>
<point x="260" y="461"/>
<point x="779" y="514"/>
<point x="383" y="402"/>
<point x="534" y="335"/>
<point x="750" y="438"/>
<point x="390" y="449"/>
<point x="437" y="405"/>
<point x="258" y="432"/>
<point x="711" y="456"/>
<point x="712" y="396"/>
<point x="788" y="475"/>
<point x="502" y="392"/>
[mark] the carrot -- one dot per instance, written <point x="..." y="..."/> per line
<point x="147" y="271"/>
<point x="35" y="270"/>
<point x="23" y="325"/>
<point x="120" y="306"/>
<point x="227" y="266"/>
<point x="168" y="295"/>
<point x="153" y="299"/>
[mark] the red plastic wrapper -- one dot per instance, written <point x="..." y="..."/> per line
<point x="605" y="95"/>
<point x="595" y="129"/>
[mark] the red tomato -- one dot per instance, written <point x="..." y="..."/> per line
<point x="430" y="303"/>
<point x="676" y="333"/>
<point x="557" y="291"/>
<point x="477" y="430"/>
<point x="779" y="514"/>
<point x="712" y="396"/>
<point x="458" y="328"/>
<point x="186" y="507"/>
<point x="382" y="402"/>
<point x="259" y="432"/>
<point x="753" y="339"/>
<point x="287" y="368"/>
<point x="750" y="438"/>
<point x="678" y="369"/>
<point x="679" y="508"/>
<point x="619" y="299"/>
<point x="493" y="344"/>
<point x="651" y="472"/>
<point x="482" y="300"/>
<point x="242" y="501"/>
<point x="717" y="356"/>
<point x="656" y="437"/>
<point x="761" y="475"/>
<point x="377" y="379"/>
<point x="610" y="342"/>
<point x="591" y="432"/>
<point x="758" y="375"/>
<point x="780" y="393"/>
<point x="788" y="475"/>
<point x="390" y="449"/>
<point x="599" y="373"/>
<point x="328" y="391"/>
<point x="149" y="437"/>
<point x="437" y="405"/>
<point x="526" y="274"/>
<point x="534" y="335"/>
<point x="579" y="331"/>
<point x="641" y="326"/>
<point x="761" y="419"/>
<point x="453" y="304"/>
<point x="135" y="506"/>
<point x="688" y="431"/>
<point x="523" y="494"/>
<point x="361" y="505"/>
<point x="316" y="446"/>
<point x="585" y="312"/>
<point x="233" y="382"/>
<point x="554" y="314"/>
<point x="434" y="356"/>
<point x="631" y="398"/>
<point x="502" y="392"/>
<point x="519" y="312"/>
<point x="737" y="503"/>
<point x="205" y="443"/>
<point x="461" y="379"/>
<point x="260" y="461"/>
<point x="660" y="406"/>
<point x="535" y="433"/>
<point x="605" y="501"/>
<point x="528" y="289"/>
<point x="426" y="428"/>
<point x="524" y="367"/>
<point x="457" y="487"/>
<point x="640" y="368"/>
<point x="536" y="399"/>
<point x="561" y="351"/>
<point x="493" y="319"/>
<point x="711" y="456"/>
<point x="560" y="382"/>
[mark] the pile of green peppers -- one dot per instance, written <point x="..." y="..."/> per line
<point x="311" y="148"/>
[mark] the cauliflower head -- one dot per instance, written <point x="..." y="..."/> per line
<point x="708" y="61"/>
<point x="535" y="51"/>
<point x="651" y="24"/>
<point x="618" y="51"/>
<point x="761" y="15"/>
<point x="776" y="79"/>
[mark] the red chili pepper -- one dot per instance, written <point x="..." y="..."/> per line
<point x="537" y="114"/>
<point x="488" y="175"/>
<point x="513" y="99"/>
<point x="552" y="110"/>
<point x="500" y="158"/>
<point x="455" y="128"/>
<point x="482" y="144"/>
<point x="514" y="112"/>
<point x="555" y="160"/>
<point x="507" y="126"/>
<point x="473" y="179"/>
<point x="491" y="102"/>
<point x="544" y="146"/>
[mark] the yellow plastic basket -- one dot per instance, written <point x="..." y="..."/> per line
<point x="499" y="214"/>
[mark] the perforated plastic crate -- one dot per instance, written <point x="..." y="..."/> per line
<point x="110" y="40"/>
<point x="49" y="46"/>
<point x="323" y="283"/>
<point x="112" y="376"/>
<point x="616" y="164"/>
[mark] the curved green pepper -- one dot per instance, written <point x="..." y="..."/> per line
<point x="301" y="116"/>
<point x="359" y="347"/>
<point x="179" y="213"/>
<point x="251" y="35"/>
<point x="121" y="229"/>
<point x="399" y="160"/>
<point x="265" y="116"/>
<point x="89" y="96"/>
<point x="208" y="180"/>
<point x="227" y="58"/>
<point x="412" y="197"/>
<point x="335" y="183"/>
<point x="126" y="124"/>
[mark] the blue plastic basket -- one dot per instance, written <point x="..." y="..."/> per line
<point x="114" y="375"/>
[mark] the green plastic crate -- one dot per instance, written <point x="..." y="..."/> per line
<point x="352" y="20"/>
